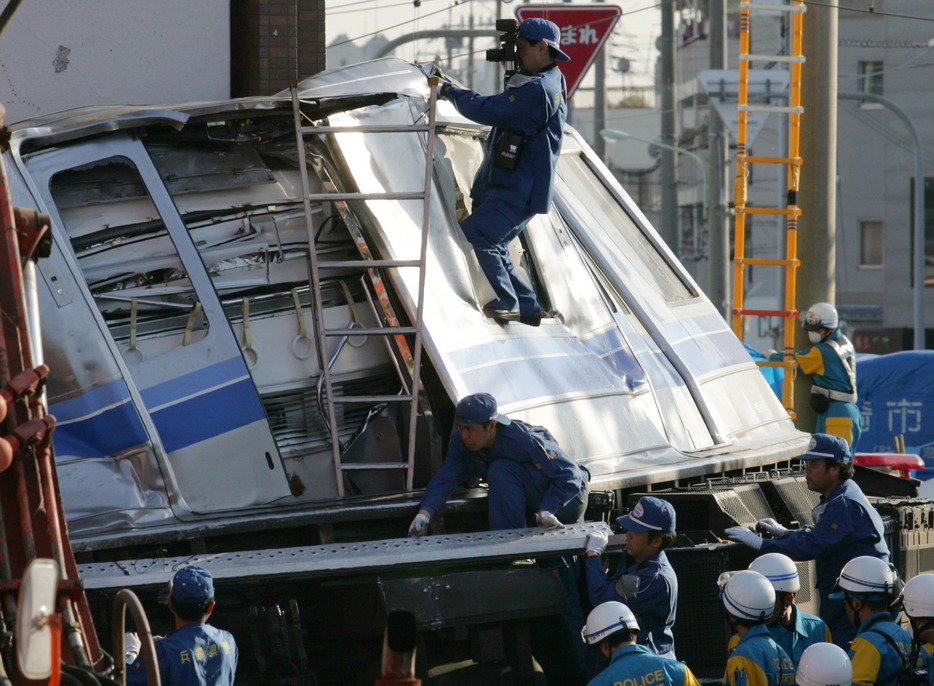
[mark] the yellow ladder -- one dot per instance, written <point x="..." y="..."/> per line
<point x="410" y="355"/>
<point x="788" y="314"/>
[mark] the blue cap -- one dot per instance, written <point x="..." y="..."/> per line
<point x="827" y="447"/>
<point x="536" y="29"/>
<point x="192" y="584"/>
<point x="649" y="514"/>
<point x="479" y="408"/>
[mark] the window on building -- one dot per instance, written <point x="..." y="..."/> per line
<point x="870" y="243"/>
<point x="928" y="230"/>
<point x="870" y="79"/>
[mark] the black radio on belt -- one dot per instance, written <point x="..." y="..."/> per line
<point x="508" y="150"/>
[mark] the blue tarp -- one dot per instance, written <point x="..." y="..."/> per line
<point x="896" y="396"/>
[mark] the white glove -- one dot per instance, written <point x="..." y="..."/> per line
<point x="131" y="646"/>
<point x="545" y="519"/>
<point x="772" y="527"/>
<point x="419" y="525"/>
<point x="744" y="536"/>
<point x="596" y="541"/>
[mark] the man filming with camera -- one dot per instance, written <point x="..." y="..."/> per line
<point x="516" y="177"/>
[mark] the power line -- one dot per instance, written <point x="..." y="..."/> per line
<point x="404" y="23"/>
<point x="456" y="3"/>
<point x="871" y="10"/>
<point x="381" y="7"/>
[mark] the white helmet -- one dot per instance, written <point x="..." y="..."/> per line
<point x="779" y="570"/>
<point x="749" y="595"/>
<point x="867" y="577"/>
<point x="819" y="316"/>
<point x="824" y="664"/>
<point x="606" y="619"/>
<point x="918" y="596"/>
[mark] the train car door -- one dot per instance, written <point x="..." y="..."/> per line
<point x="162" y="320"/>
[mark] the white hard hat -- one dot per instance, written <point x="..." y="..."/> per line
<point x="749" y="595"/>
<point x="867" y="577"/>
<point x="819" y="316"/>
<point x="779" y="570"/>
<point x="824" y="664"/>
<point x="606" y="619"/>
<point x="918" y="596"/>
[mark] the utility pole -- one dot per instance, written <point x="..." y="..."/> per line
<point x="718" y="233"/>
<point x="817" y="194"/>
<point x="599" y="105"/>
<point x="670" y="213"/>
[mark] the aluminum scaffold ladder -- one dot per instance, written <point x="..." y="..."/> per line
<point x="792" y="161"/>
<point x="411" y="355"/>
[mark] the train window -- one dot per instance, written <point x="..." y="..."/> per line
<point x="593" y="204"/>
<point x="128" y="258"/>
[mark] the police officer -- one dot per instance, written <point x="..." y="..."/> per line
<point x="824" y="664"/>
<point x="791" y="627"/>
<point x="613" y="628"/>
<point x="196" y="653"/>
<point x="830" y="360"/>
<point x="867" y="588"/>
<point x="645" y="582"/>
<point x="516" y="177"/>
<point x="523" y="465"/>
<point x="845" y="526"/>
<point x="757" y="660"/>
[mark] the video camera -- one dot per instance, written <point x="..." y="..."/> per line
<point x="506" y="52"/>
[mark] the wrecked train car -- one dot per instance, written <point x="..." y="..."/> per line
<point x="213" y="303"/>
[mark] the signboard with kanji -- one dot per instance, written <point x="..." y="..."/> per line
<point x="584" y="30"/>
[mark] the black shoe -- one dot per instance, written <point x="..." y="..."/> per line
<point x="533" y="318"/>
<point x="501" y="315"/>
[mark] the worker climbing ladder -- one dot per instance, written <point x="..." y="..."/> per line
<point x="410" y="355"/>
<point x="792" y="161"/>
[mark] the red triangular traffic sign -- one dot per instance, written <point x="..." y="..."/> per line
<point x="584" y="30"/>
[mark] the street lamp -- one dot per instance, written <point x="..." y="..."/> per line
<point x="614" y="135"/>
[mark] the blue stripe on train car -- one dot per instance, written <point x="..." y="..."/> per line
<point x="98" y="423"/>
<point x="198" y="381"/>
<point x="199" y="417"/>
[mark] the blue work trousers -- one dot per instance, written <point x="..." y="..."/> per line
<point x="490" y="229"/>
<point x="516" y="488"/>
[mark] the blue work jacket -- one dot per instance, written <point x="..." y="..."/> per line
<point x="654" y="604"/>
<point x="846" y="526"/>
<point x="517" y="441"/>
<point x="193" y="655"/>
<point x="875" y="660"/>
<point x="828" y="370"/>
<point x="636" y="665"/>
<point x="758" y="660"/>
<point x="805" y="630"/>
<point x="524" y="107"/>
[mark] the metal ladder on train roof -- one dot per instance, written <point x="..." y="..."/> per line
<point x="793" y="161"/>
<point x="411" y="355"/>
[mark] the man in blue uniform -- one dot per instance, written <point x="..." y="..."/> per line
<point x="845" y="526"/>
<point x="830" y="360"/>
<point x="525" y="468"/>
<point x="196" y="653"/>
<point x="516" y="177"/>
<point x="612" y="628"/>
<point x="526" y="472"/>
<point x="867" y="588"/>
<point x="757" y="660"/>
<point x="646" y="582"/>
